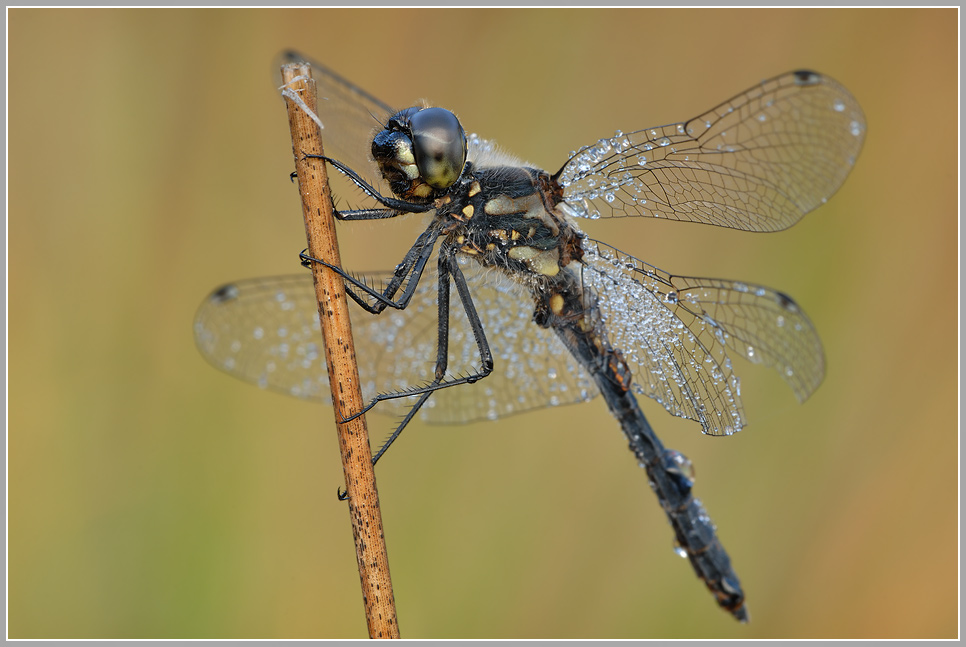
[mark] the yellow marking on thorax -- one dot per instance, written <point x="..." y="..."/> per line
<point x="501" y="205"/>
<point x="529" y="205"/>
<point x="540" y="261"/>
<point x="556" y="303"/>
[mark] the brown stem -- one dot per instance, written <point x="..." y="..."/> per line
<point x="340" y="357"/>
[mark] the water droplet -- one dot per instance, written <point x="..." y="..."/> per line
<point x="679" y="468"/>
<point x="679" y="550"/>
<point x="839" y="105"/>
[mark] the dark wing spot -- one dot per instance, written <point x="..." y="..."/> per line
<point x="807" y="77"/>
<point x="225" y="293"/>
<point x="786" y="302"/>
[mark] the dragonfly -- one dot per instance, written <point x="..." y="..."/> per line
<point x="543" y="314"/>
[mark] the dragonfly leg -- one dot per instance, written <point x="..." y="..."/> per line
<point x="408" y="272"/>
<point x="448" y="270"/>
<point x="394" y="206"/>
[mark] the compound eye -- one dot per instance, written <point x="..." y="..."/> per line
<point x="439" y="145"/>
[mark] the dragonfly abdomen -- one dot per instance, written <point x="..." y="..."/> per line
<point x="569" y="310"/>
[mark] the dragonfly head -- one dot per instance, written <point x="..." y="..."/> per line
<point x="421" y="152"/>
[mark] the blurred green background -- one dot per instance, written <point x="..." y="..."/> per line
<point x="151" y="496"/>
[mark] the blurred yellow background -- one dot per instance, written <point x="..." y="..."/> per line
<point x="151" y="496"/>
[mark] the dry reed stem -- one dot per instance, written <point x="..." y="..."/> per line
<point x="363" y="498"/>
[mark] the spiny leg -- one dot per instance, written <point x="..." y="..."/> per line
<point x="411" y="266"/>
<point x="392" y="204"/>
<point x="448" y="269"/>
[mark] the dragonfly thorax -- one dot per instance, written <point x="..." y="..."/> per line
<point x="508" y="218"/>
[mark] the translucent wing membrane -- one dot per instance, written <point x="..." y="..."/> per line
<point x="676" y="333"/>
<point x="266" y="331"/>
<point x="757" y="162"/>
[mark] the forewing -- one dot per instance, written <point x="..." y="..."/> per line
<point x="757" y="162"/>
<point x="678" y="334"/>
